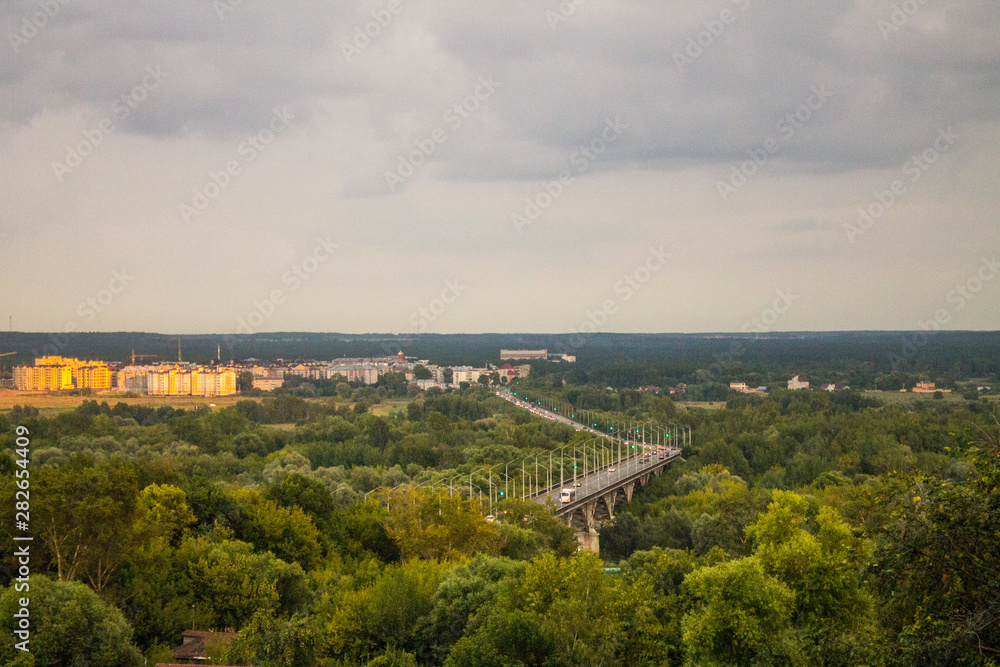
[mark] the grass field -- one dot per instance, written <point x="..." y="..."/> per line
<point x="388" y="405"/>
<point x="888" y="397"/>
<point x="51" y="404"/>
<point x="709" y="405"/>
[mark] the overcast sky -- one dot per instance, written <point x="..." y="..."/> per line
<point x="470" y="166"/>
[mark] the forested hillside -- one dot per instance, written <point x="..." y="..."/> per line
<point x="802" y="528"/>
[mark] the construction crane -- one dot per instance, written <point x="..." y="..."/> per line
<point x="141" y="356"/>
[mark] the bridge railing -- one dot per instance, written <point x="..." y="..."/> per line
<point x="579" y="502"/>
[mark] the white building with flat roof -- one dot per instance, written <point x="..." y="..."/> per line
<point x="524" y="354"/>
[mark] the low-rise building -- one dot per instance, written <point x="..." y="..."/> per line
<point x="568" y="358"/>
<point x="363" y="373"/>
<point x="928" y="388"/>
<point x="427" y="384"/>
<point x="460" y="374"/>
<point x="511" y="372"/>
<point x="267" y="383"/>
<point x="541" y="355"/>
<point x="798" y="382"/>
<point x="196" y="645"/>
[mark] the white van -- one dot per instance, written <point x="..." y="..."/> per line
<point x="568" y="495"/>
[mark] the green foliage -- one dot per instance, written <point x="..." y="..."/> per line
<point x="231" y="582"/>
<point x="69" y="625"/>
<point x="832" y="612"/>
<point x="739" y="616"/>
<point x="308" y="494"/>
<point x="465" y="597"/>
<point x="89" y="518"/>
<point x="289" y="533"/>
<point x="428" y="525"/>
<point x="936" y="570"/>
<point x="750" y="550"/>
<point x="384" y="614"/>
<point x="267" y="641"/>
<point x="562" y="611"/>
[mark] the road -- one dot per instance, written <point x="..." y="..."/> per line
<point x="648" y="457"/>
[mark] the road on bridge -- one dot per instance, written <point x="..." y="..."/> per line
<point x="594" y="482"/>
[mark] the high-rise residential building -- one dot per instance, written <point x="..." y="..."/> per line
<point x="184" y="380"/>
<point x="61" y="373"/>
<point x="92" y="375"/>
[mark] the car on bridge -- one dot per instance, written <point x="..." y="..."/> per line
<point x="568" y="495"/>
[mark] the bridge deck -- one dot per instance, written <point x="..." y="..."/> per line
<point x="602" y="481"/>
<point x="605" y="479"/>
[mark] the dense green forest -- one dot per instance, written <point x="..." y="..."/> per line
<point x="802" y="528"/>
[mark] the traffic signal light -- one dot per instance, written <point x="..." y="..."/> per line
<point x="501" y="494"/>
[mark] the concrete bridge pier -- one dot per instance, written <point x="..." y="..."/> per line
<point x="589" y="540"/>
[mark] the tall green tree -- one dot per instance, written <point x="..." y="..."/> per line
<point x="832" y="613"/>
<point x="936" y="571"/>
<point x="740" y="616"/>
<point x="70" y="625"/>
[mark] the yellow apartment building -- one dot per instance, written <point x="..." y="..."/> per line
<point x="61" y="373"/>
<point x="184" y="381"/>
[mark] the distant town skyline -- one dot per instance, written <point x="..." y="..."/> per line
<point x="418" y="167"/>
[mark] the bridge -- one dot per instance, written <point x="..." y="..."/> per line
<point x="613" y="477"/>
<point x="595" y="474"/>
